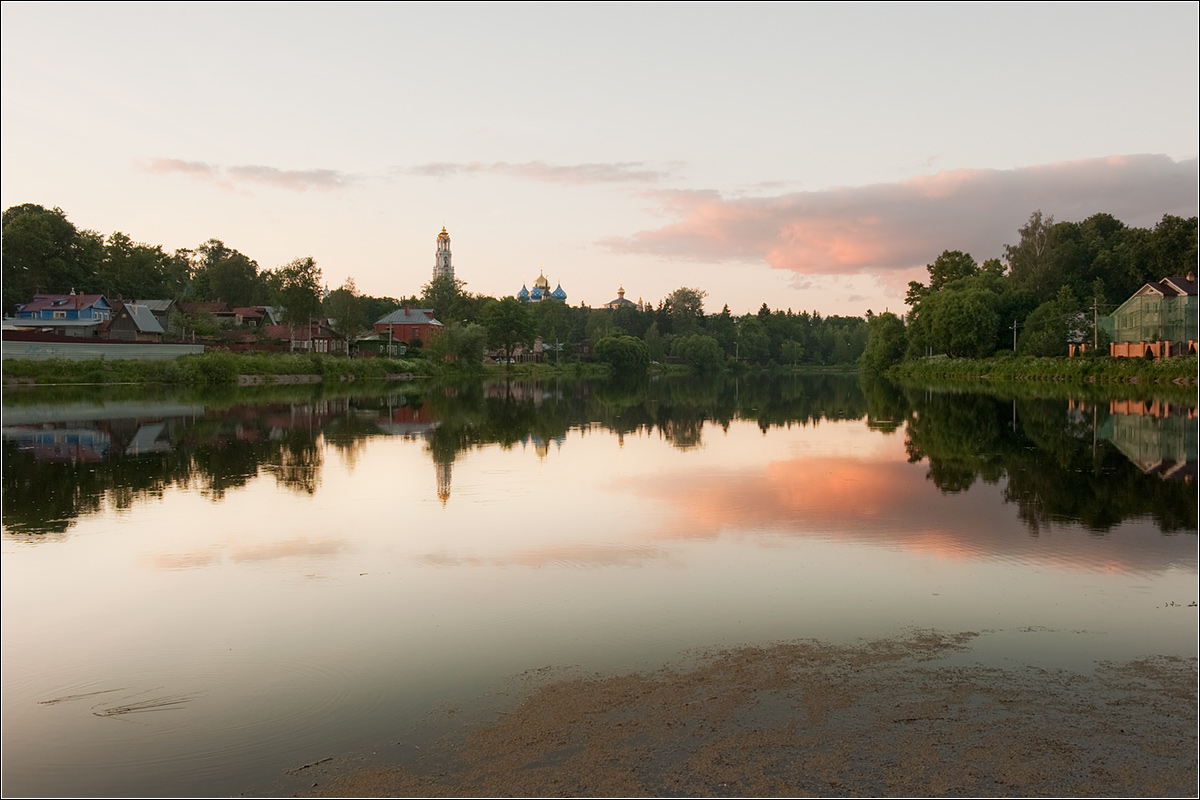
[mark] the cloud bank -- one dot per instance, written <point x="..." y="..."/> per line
<point x="232" y="177"/>
<point x="579" y="174"/>
<point x="897" y="226"/>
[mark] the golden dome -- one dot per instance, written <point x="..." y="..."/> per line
<point x="541" y="281"/>
<point x="443" y="234"/>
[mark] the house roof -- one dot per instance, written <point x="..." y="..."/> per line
<point x="61" y="302"/>
<point x="1171" y="286"/>
<point x="313" y="330"/>
<point x="1180" y="284"/>
<point x="156" y="306"/>
<point x="410" y="316"/>
<point x="218" y="307"/>
<point x="143" y="318"/>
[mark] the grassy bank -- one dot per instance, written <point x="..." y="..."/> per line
<point x="1057" y="370"/>
<point x="208" y="368"/>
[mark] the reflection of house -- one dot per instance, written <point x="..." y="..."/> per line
<point x="541" y="291"/>
<point x="70" y="445"/>
<point x="1159" y="439"/>
<point x="1159" y="320"/>
<point x="406" y="324"/>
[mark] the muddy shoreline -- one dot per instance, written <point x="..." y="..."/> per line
<point x="883" y="718"/>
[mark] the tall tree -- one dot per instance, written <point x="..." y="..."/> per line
<point x="298" y="291"/>
<point x="44" y="252"/>
<point x="345" y="308"/>
<point x="508" y="323"/>
<point x="444" y="294"/>
<point x="685" y="309"/>
<point x="1026" y="259"/>
<point x="222" y="273"/>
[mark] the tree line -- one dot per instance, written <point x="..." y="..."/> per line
<point x="1048" y="289"/>
<point x="1031" y="300"/>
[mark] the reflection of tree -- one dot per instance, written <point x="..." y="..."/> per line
<point x="1056" y="470"/>
<point x="296" y="464"/>
<point x="1054" y="467"/>
<point x="962" y="436"/>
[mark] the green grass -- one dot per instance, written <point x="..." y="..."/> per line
<point x="218" y="367"/>
<point x="1101" y="369"/>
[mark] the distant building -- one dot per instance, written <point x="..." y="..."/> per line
<point x="406" y="324"/>
<point x="541" y="291"/>
<point x="132" y="323"/>
<point x="621" y="302"/>
<point x="71" y="314"/>
<point x="443" y="266"/>
<point x="1159" y="320"/>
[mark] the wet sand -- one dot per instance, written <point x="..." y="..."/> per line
<point x="813" y="719"/>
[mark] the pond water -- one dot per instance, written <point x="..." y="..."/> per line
<point x="201" y="592"/>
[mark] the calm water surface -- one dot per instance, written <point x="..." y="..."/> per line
<point x="202" y="592"/>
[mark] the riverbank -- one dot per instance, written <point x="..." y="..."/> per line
<point x="1084" y="370"/>
<point x="901" y="717"/>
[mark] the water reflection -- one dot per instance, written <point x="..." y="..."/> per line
<point x="1058" y="460"/>
<point x="311" y="568"/>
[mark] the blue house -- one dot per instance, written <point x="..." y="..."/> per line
<point x="73" y="314"/>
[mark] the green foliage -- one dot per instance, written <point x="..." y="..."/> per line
<point x="464" y="343"/>
<point x="950" y="266"/>
<point x="683" y="310"/>
<point x="298" y="291"/>
<point x="699" y="351"/>
<point x="344" y="307"/>
<point x="885" y="343"/>
<point x="446" y="297"/>
<point x="753" y="344"/>
<point x="222" y="273"/>
<point x="508" y="322"/>
<point x="627" y="355"/>
<point x="43" y="252"/>
<point x="1048" y="329"/>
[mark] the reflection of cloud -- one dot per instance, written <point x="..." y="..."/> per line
<point x="611" y="172"/>
<point x="295" y="180"/>
<point x="896" y="226"/>
<point x="889" y="504"/>
<point x="268" y="551"/>
<point x="570" y="555"/>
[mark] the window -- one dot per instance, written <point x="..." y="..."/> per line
<point x="60" y="315"/>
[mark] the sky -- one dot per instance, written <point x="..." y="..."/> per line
<point x="813" y="157"/>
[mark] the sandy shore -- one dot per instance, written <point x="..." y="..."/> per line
<point x="814" y="719"/>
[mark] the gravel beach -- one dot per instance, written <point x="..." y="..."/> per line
<point x="883" y="718"/>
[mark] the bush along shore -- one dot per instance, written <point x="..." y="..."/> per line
<point x="1180" y="371"/>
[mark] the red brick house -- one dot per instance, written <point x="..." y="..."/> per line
<point x="406" y="324"/>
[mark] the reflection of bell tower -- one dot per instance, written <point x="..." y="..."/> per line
<point x="443" y="481"/>
<point x="443" y="267"/>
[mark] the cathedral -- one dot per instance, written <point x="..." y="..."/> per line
<point x="541" y="291"/>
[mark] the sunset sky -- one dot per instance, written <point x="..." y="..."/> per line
<point x="812" y="157"/>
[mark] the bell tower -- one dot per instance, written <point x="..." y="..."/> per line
<point x="443" y="266"/>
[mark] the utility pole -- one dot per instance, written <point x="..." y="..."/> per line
<point x="1014" y="327"/>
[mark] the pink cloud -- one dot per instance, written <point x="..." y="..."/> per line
<point x="233" y="177"/>
<point x="898" y="226"/>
